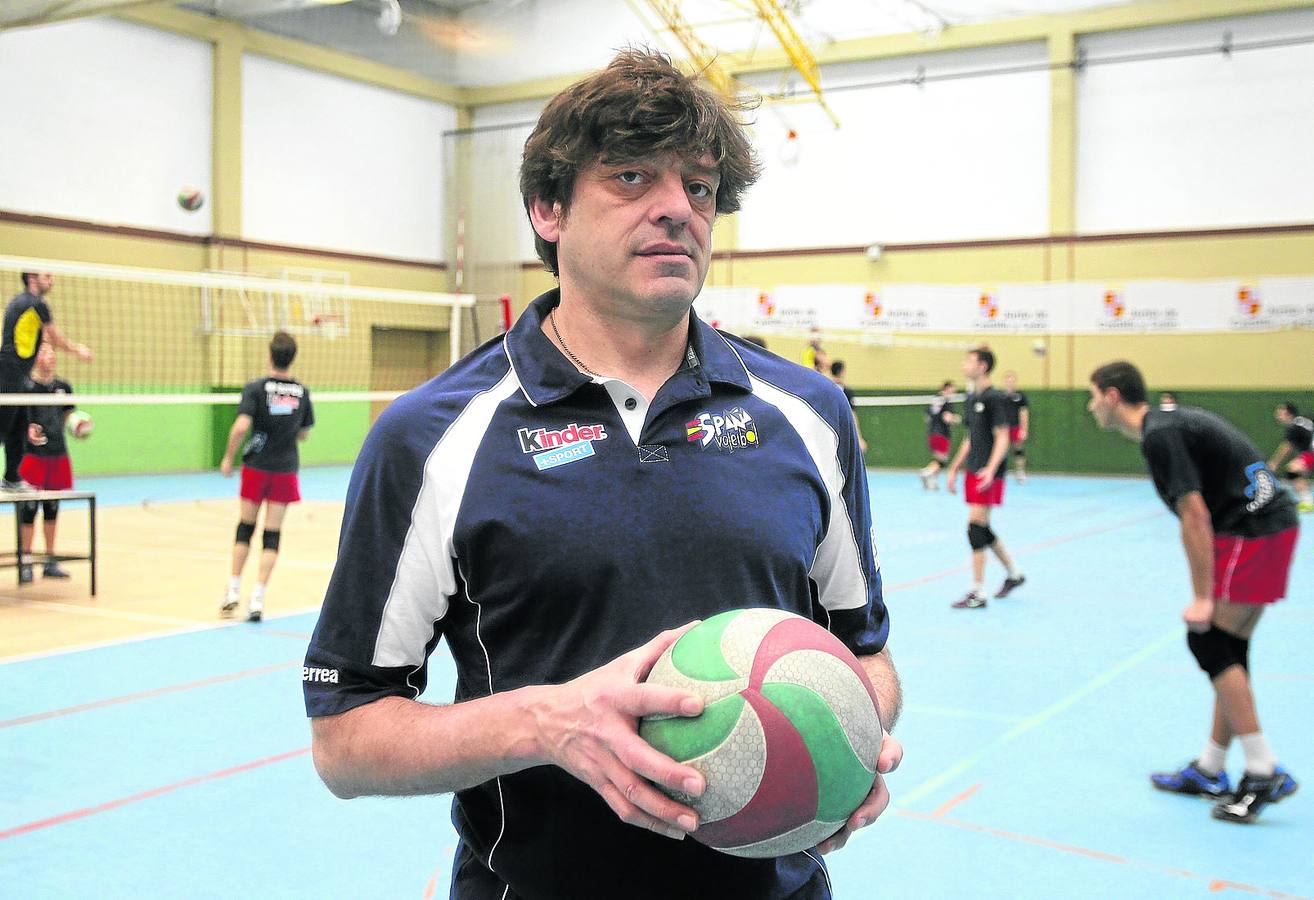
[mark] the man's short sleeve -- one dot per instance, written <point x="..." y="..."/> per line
<point x="308" y="420"/>
<point x="846" y="570"/>
<point x="250" y="401"/>
<point x="43" y="311"/>
<point x="997" y="404"/>
<point x="1022" y="401"/>
<point x="1174" y="472"/>
<point x="343" y="668"/>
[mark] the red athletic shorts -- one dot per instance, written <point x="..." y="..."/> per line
<point x="993" y="495"/>
<point x="276" y="487"/>
<point x="938" y="443"/>
<point x="1253" y="570"/>
<point x="1307" y="458"/>
<point x="50" y="473"/>
<point x="1015" y="434"/>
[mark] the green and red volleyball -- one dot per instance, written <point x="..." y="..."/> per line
<point x="789" y="733"/>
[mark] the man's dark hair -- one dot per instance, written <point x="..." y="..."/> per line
<point x="282" y="350"/>
<point x="946" y="384"/>
<point x="24" y="276"/>
<point x="640" y="105"/>
<point x="1291" y="408"/>
<point x="986" y="355"/>
<point x="837" y="368"/>
<point x="1123" y="376"/>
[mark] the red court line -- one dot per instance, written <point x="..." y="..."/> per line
<point x="1215" y="884"/>
<point x="143" y="695"/>
<point x="944" y="809"/>
<point x="1042" y="545"/>
<point x="146" y="795"/>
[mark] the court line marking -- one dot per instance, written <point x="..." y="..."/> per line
<point x="94" y="611"/>
<point x="954" y="801"/>
<point x="952" y="713"/>
<point x="198" y="626"/>
<point x="1215" y="885"/>
<point x="144" y="695"/>
<point x="73" y="815"/>
<point x="1035" y="721"/>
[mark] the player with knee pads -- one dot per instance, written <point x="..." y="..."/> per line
<point x="940" y="417"/>
<point x="276" y="411"/>
<point x="45" y="464"/>
<point x="1019" y="424"/>
<point x="1238" y="512"/>
<point x="985" y="451"/>
<point x="1298" y="443"/>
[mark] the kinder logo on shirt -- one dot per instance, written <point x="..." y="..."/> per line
<point x="731" y="431"/>
<point x="557" y="448"/>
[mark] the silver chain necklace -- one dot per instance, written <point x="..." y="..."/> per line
<point x="552" y="319"/>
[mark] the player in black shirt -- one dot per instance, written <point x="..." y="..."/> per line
<point x="837" y="376"/>
<point x="27" y="322"/>
<point x="45" y="466"/>
<point x="1239" y="531"/>
<point x="1019" y="424"/>
<point x="1298" y="438"/>
<point x="939" y="417"/>
<point x="276" y="410"/>
<point x="985" y="449"/>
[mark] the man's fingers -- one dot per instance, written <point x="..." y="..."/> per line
<point x="630" y="814"/>
<point x="646" y="699"/>
<point x="647" y="799"/>
<point x="890" y="756"/>
<point x="638" y="756"/>
<point x="645" y="657"/>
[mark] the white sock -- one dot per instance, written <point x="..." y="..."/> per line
<point x="978" y="588"/>
<point x="235" y="584"/>
<point x="1259" y="756"/>
<point x="258" y="595"/>
<point x="1214" y="758"/>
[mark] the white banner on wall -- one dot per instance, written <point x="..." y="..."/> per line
<point x="1138" y="307"/>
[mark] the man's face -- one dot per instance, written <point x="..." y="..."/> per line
<point x="1101" y="407"/>
<point x="947" y="390"/>
<point x="1281" y="414"/>
<point x="973" y="367"/>
<point x="40" y="283"/>
<point x="637" y="240"/>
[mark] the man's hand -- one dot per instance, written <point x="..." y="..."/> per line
<point x="589" y="727"/>
<point x="984" y="478"/>
<point x="82" y="352"/>
<point x="1199" y="614"/>
<point x="890" y="756"/>
<point x="226" y="466"/>
<point x="951" y="480"/>
<point x="36" y="435"/>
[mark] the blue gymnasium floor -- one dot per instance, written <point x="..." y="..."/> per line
<point x="178" y="766"/>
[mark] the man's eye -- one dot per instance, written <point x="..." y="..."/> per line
<point x="630" y="177"/>
<point x="700" y="190"/>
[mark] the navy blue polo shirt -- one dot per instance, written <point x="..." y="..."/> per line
<point x="544" y="522"/>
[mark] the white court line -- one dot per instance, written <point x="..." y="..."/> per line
<point x="125" y="550"/>
<point x="134" y="638"/>
<point x="1032" y="722"/>
<point x="95" y="612"/>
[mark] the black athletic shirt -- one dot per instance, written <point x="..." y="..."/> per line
<point x="937" y="421"/>
<point x="1189" y="449"/>
<point x="982" y="413"/>
<point x="50" y="418"/>
<point x="279" y="408"/>
<point x="1300" y="434"/>
<point x="1017" y="401"/>
<point x="25" y="317"/>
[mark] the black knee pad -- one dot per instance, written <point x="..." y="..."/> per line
<point x="50" y="509"/>
<point x="980" y="536"/>
<point x="270" y="539"/>
<point x="244" y="532"/>
<point x="27" y="511"/>
<point x="1020" y="451"/>
<point x="1216" y="651"/>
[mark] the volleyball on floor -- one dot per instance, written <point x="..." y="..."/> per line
<point x="79" y="424"/>
<point x="191" y="199"/>
<point x="788" y="736"/>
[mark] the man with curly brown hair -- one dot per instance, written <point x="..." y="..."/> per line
<point x="609" y="470"/>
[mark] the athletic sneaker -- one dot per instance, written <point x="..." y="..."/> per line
<point x="1253" y="794"/>
<point x="255" y="610"/>
<point x="17" y="487"/>
<point x="972" y="600"/>
<point x="1190" y="779"/>
<point x="928" y="480"/>
<point x="1021" y="478"/>
<point x="25" y="573"/>
<point x="54" y="570"/>
<point x="231" y="601"/>
<point x="1009" y="585"/>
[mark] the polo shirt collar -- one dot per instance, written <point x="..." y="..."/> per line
<point x="546" y="375"/>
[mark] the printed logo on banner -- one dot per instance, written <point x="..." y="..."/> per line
<point x="1247" y="301"/>
<point x="1121" y="314"/>
<point x="873" y="306"/>
<point x="732" y="430"/>
<point x="1114" y="308"/>
<point x="765" y="307"/>
<point x="987" y="306"/>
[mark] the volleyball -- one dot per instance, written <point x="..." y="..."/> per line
<point x="789" y="733"/>
<point x="191" y="199"/>
<point x="79" y="424"/>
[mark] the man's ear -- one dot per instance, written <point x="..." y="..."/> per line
<point x="546" y="218"/>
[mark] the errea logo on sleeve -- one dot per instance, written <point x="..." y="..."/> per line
<point x="314" y="674"/>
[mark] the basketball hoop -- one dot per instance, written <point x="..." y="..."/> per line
<point x="329" y="325"/>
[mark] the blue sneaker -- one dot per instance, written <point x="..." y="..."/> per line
<point x="1253" y="794"/>
<point x="1190" y="780"/>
